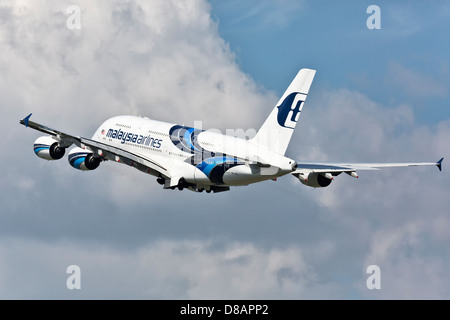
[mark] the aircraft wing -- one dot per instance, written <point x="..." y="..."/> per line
<point x="101" y="150"/>
<point x="39" y="127"/>
<point x="336" y="168"/>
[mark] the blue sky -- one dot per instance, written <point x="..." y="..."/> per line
<point x="378" y="96"/>
<point x="271" y="39"/>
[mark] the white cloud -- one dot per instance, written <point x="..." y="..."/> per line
<point x="408" y="270"/>
<point x="413" y="83"/>
<point x="151" y="58"/>
<point x="346" y="126"/>
<point x="162" y="270"/>
<point x="360" y="128"/>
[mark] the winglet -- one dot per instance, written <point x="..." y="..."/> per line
<point x="25" y="120"/>
<point x="439" y="164"/>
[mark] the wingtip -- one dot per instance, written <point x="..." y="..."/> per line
<point x="439" y="164"/>
<point x="25" y="120"/>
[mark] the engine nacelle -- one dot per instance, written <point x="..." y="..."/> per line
<point x="83" y="159"/>
<point x="48" y="148"/>
<point x="314" y="179"/>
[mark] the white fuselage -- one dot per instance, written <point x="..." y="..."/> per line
<point x="201" y="158"/>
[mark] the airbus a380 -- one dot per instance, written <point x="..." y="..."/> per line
<point x="185" y="157"/>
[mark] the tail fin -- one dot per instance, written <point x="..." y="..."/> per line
<point x="276" y="132"/>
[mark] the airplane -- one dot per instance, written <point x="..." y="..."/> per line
<point x="184" y="157"/>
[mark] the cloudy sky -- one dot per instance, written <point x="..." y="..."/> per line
<point x="379" y="95"/>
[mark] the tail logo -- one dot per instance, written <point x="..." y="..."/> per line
<point x="289" y="110"/>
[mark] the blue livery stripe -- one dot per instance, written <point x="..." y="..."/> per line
<point x="187" y="138"/>
<point x="207" y="165"/>
<point x="77" y="163"/>
<point x="37" y="150"/>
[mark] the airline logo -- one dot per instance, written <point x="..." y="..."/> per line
<point x="134" y="138"/>
<point x="289" y="110"/>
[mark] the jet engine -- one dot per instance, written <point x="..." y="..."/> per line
<point x="83" y="159"/>
<point x="314" y="179"/>
<point x="48" y="148"/>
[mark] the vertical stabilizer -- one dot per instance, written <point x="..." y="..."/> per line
<point x="276" y="132"/>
